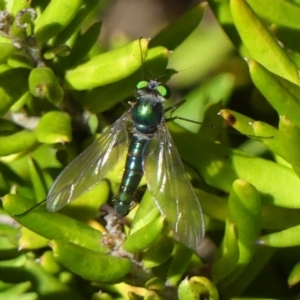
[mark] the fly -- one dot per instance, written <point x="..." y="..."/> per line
<point x="143" y="133"/>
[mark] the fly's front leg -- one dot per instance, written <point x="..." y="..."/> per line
<point x="173" y="108"/>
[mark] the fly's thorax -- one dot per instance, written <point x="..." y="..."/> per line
<point x="147" y="113"/>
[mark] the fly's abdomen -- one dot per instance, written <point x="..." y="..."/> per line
<point x="132" y="175"/>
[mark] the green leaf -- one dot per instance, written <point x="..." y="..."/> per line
<point x="73" y="27"/>
<point x="25" y="17"/>
<point x="7" y="49"/>
<point x="24" y="99"/>
<point x="147" y="212"/>
<point x="294" y="276"/>
<point x="196" y="287"/>
<point x="244" y="210"/>
<point x="17" y="290"/>
<point x="155" y="283"/>
<point x="289" y="134"/>
<point x="29" y="240"/>
<point x="159" y="252"/>
<point x="52" y="225"/>
<point x="82" y="262"/>
<point x="88" y="39"/>
<point x="285" y="238"/>
<point x="173" y="35"/>
<point x="275" y="218"/>
<point x="93" y="100"/>
<point x="279" y="218"/>
<point x="37" y="180"/>
<point x="179" y="264"/>
<point x="280" y="12"/>
<point x="219" y="166"/>
<point x="17" y="142"/>
<point x="256" y="130"/>
<point x="49" y="263"/>
<point x="108" y="67"/>
<point x="202" y="98"/>
<point x="45" y="284"/>
<point x="259" y="261"/>
<point x="261" y="45"/>
<point x="228" y="255"/>
<point x="13" y="85"/>
<point x="48" y="285"/>
<point x="18" y="5"/>
<point x="144" y="237"/>
<point x="60" y="51"/>
<point x="222" y="12"/>
<point x="44" y="84"/>
<point x="280" y="96"/>
<point x="102" y="296"/>
<point x="55" y="18"/>
<point x="8" y="241"/>
<point x="54" y="127"/>
<point x="151" y="295"/>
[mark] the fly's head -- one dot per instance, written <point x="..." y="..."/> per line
<point x="154" y="88"/>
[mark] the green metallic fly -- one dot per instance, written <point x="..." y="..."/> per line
<point x="143" y="133"/>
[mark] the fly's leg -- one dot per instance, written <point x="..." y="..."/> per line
<point x="173" y="108"/>
<point x="31" y="208"/>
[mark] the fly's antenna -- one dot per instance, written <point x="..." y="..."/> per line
<point x="143" y="63"/>
<point x="142" y="59"/>
<point x="30" y="209"/>
<point x="168" y="73"/>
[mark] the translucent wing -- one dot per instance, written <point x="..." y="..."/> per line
<point x="172" y="191"/>
<point x="90" y="167"/>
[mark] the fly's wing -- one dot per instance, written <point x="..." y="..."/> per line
<point x="90" y="167"/>
<point x="172" y="191"/>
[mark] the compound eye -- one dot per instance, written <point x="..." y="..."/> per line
<point x="142" y="85"/>
<point x="164" y="91"/>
